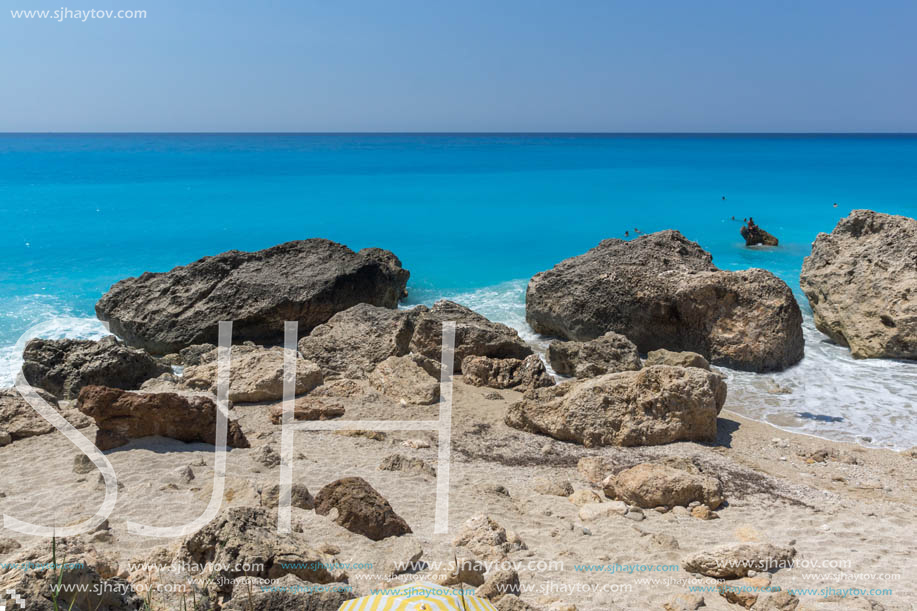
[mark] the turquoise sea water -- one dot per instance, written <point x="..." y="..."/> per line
<point x="471" y="216"/>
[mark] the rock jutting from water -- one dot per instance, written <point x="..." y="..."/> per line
<point x="307" y="281"/>
<point x="663" y="291"/>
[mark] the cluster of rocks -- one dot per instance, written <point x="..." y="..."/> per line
<point x="659" y="296"/>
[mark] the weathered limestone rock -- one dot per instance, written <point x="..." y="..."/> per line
<point x="307" y="281"/>
<point x="861" y="281"/>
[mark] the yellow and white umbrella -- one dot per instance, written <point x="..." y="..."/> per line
<point x="419" y="597"/>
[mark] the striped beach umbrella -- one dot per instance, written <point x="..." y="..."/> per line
<point x="419" y="597"/>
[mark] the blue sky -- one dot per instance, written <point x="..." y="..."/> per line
<point x="468" y="65"/>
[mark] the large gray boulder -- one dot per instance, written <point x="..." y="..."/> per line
<point x="354" y="341"/>
<point x="861" y="281"/>
<point x="663" y="291"/>
<point x="474" y="335"/>
<point x="606" y="354"/>
<point x="307" y="281"/>
<point x="256" y="374"/>
<point x="652" y="406"/>
<point x="64" y="366"/>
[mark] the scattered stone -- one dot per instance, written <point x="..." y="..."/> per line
<point x="299" y="497"/>
<point x="267" y="456"/>
<point x="402" y="557"/>
<point x="64" y="366"/>
<point x="5" y="439"/>
<point x="684" y="602"/>
<point x="184" y="475"/>
<point x="499" y="583"/>
<point x="400" y="462"/>
<point x="583" y="497"/>
<point x="744" y="591"/>
<point x="307" y="280"/>
<point x="289" y="593"/>
<point x="553" y="486"/>
<point x="401" y="379"/>
<point x="8" y="545"/>
<point x="735" y="560"/>
<point x="676" y="359"/>
<point x="353" y="342"/>
<point x="416" y="444"/>
<point x="609" y="353"/>
<point x="474" y="335"/>
<point x="373" y="435"/>
<point x="776" y="601"/>
<point x="241" y="537"/>
<point x="652" y="406"/>
<point x="635" y="514"/>
<point x="702" y="512"/>
<point x="360" y="508"/>
<point x="511" y="602"/>
<point x="19" y="419"/>
<point x="256" y="375"/>
<point x="650" y="485"/>
<point x="526" y="373"/>
<point x="493" y="396"/>
<point x="663" y="291"/>
<point x="485" y="538"/>
<point x="196" y="354"/>
<point x="859" y="281"/>
<point x="466" y="571"/>
<point x="308" y="408"/>
<point x="664" y="541"/>
<point x="121" y="416"/>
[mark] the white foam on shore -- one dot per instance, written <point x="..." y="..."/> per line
<point x="832" y="395"/>
<point x="57" y="327"/>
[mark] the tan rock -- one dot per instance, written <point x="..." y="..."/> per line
<point x="583" y="497"/>
<point x="256" y="374"/>
<point x="859" y="280"/>
<point x="401" y="379"/>
<point x="524" y="373"/>
<point x="121" y="415"/>
<point x="676" y="359"/>
<point x="309" y="408"/>
<point x="609" y="353"/>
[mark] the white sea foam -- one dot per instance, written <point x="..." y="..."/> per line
<point x="831" y="394"/>
<point x="57" y="327"/>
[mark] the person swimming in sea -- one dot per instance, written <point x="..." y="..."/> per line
<point x="626" y="234"/>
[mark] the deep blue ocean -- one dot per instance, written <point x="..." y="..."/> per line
<point x="471" y="216"/>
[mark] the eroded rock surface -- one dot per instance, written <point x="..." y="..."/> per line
<point x="652" y="406"/>
<point x="122" y="415"/>
<point x="307" y="281"/>
<point x="663" y="291"/>
<point x="861" y="281"/>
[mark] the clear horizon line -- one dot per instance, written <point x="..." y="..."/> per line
<point x="462" y="133"/>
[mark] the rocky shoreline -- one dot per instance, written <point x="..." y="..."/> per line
<point x="629" y="458"/>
